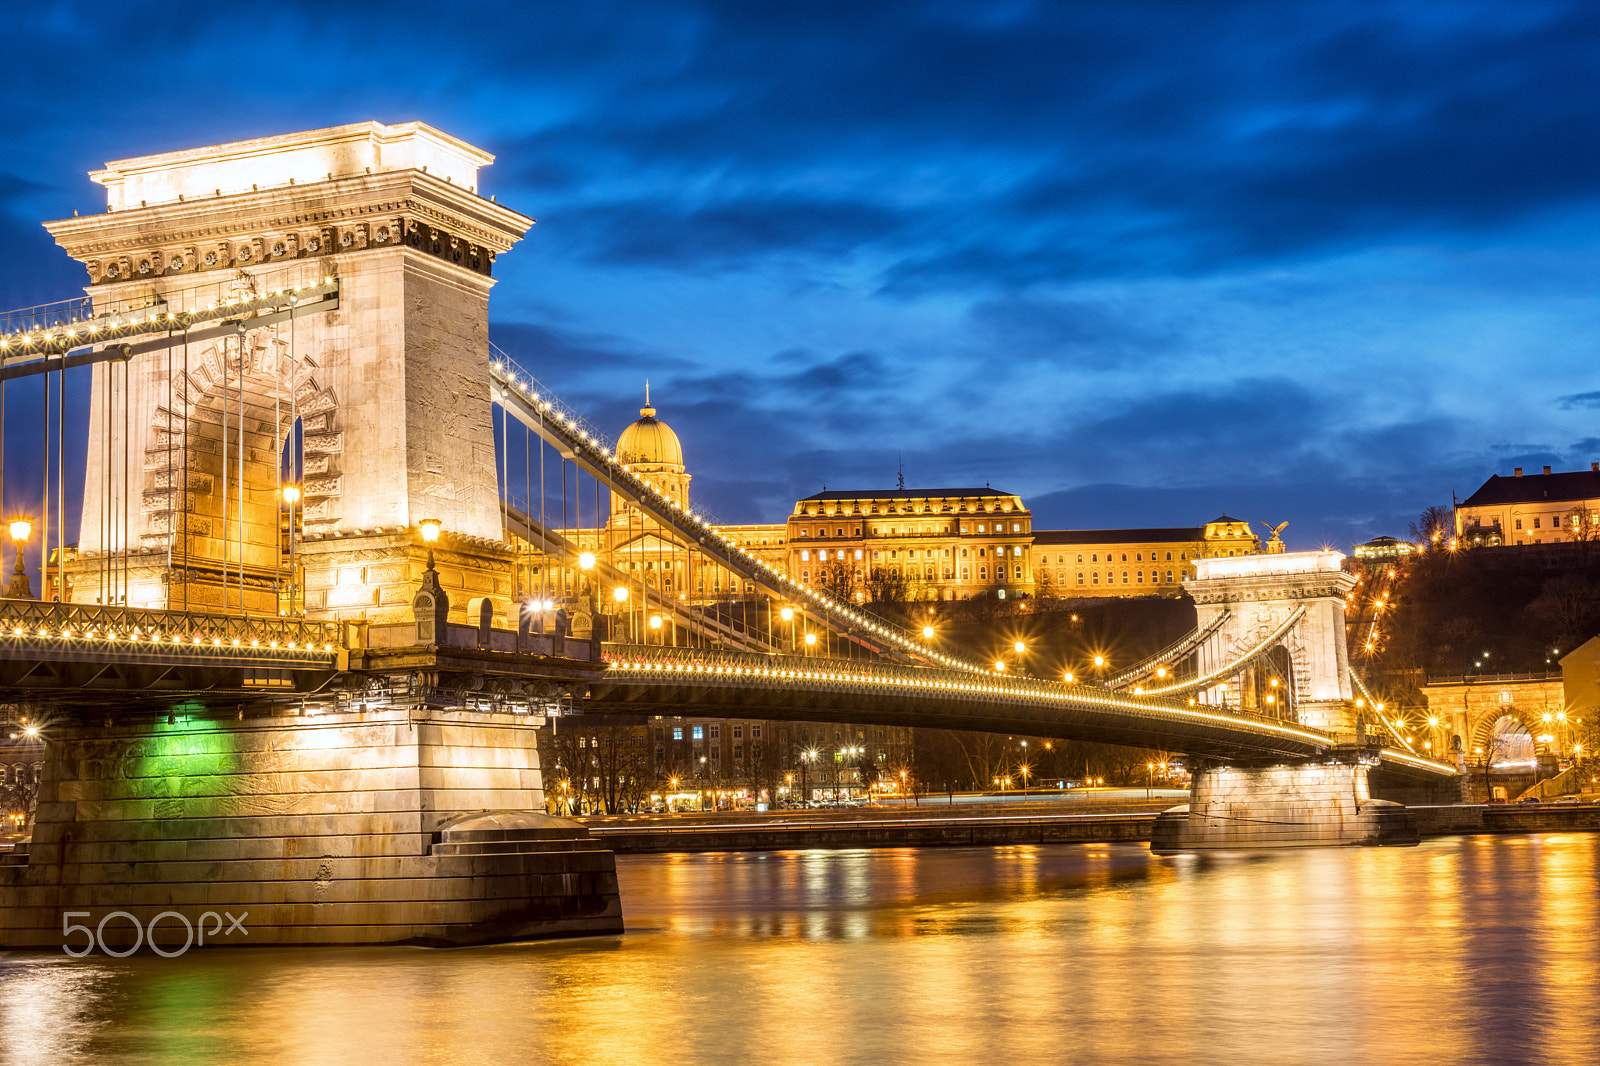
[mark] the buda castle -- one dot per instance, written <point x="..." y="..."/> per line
<point x="896" y="544"/>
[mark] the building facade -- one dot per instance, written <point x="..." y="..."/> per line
<point x="891" y="544"/>
<point x="1547" y="508"/>
<point x="1132" y="562"/>
<point x="899" y="544"/>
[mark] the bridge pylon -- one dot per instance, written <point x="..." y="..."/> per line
<point x="1261" y="803"/>
<point x="1310" y="666"/>
<point x="388" y="378"/>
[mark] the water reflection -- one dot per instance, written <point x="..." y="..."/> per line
<point x="1462" y="950"/>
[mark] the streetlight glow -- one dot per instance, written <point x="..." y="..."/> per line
<point x="428" y="526"/>
<point x="21" y="528"/>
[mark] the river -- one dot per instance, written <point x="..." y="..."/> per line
<point x="1464" y="950"/>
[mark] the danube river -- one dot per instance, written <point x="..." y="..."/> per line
<point x="1463" y="950"/>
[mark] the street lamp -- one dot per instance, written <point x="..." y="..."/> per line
<point x="927" y="632"/>
<point x="21" y="528"/>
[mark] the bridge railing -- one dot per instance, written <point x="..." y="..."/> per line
<point x="520" y="395"/>
<point x="867" y="676"/>
<point x="193" y="628"/>
<point x="1177" y="649"/>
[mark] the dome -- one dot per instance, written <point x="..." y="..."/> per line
<point x="649" y="440"/>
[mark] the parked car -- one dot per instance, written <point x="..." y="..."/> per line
<point x="1567" y="799"/>
<point x="1530" y="799"/>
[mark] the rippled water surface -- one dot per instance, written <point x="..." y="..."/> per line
<point x="1483" y="949"/>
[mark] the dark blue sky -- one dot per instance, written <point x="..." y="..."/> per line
<point x="1139" y="262"/>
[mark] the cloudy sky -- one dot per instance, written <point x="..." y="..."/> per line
<point x="1140" y="262"/>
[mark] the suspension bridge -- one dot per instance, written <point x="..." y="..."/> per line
<point x="298" y="651"/>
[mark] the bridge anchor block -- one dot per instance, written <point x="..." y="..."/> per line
<point x="1285" y="805"/>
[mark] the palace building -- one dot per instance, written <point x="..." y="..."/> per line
<point x="1132" y="562"/>
<point x="924" y="544"/>
<point x="1542" y="508"/>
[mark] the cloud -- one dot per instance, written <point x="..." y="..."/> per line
<point x="1579" y="400"/>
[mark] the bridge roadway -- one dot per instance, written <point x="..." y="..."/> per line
<point x="724" y="684"/>
<point x="67" y="655"/>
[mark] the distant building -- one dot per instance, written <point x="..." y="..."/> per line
<point x="1542" y="508"/>
<point x="886" y="544"/>
<point x="922" y="544"/>
<point x="1380" y="548"/>
<point x="1132" y="562"/>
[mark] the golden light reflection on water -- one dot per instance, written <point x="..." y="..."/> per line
<point x="1462" y="950"/>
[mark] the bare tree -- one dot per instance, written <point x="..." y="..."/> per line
<point x="1434" y="524"/>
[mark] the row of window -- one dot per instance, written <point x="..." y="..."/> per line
<point x="895" y="531"/>
<point x="1094" y="557"/>
<point x="843" y="554"/>
<point x="1111" y="578"/>
<point x="1563" y="521"/>
<point x="698" y="732"/>
<point x="926" y="508"/>
<point x="928" y="573"/>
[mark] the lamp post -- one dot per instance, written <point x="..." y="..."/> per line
<point x="807" y="757"/>
<point x="291" y="498"/>
<point x="787" y="614"/>
<point x="21" y="528"/>
<point x="619" y="595"/>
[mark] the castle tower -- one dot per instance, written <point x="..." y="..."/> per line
<point x="391" y="387"/>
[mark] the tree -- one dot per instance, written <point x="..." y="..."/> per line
<point x="1433" y="525"/>
<point x="1567" y="610"/>
<point x="887" y="585"/>
<point x="839" y="581"/>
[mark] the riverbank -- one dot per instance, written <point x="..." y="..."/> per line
<point x="1000" y="824"/>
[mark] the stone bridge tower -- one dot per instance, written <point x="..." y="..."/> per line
<point x="1260" y="592"/>
<point x="391" y="387"/>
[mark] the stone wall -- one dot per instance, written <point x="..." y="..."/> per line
<point x="1289" y="805"/>
<point x="324" y="829"/>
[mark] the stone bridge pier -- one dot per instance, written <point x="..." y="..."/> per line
<point x="1304" y="679"/>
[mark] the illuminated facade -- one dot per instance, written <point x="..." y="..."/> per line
<point x="1132" y="562"/>
<point x="895" y="544"/>
<point x="928" y="544"/>
<point x="1383" y="548"/>
<point x="1547" y="508"/>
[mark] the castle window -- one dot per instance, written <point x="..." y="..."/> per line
<point x="1169" y="576"/>
<point x="699" y="732"/>
<point x="1080" y="578"/>
<point x="716" y="732"/>
<point x="1096" y="576"/>
<point x="1519" y="523"/>
<point x="677" y="732"/>
<point x="983" y="573"/>
<point x="1536" y="523"/>
<point x="1124" y="577"/>
<point x="1138" y="578"/>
